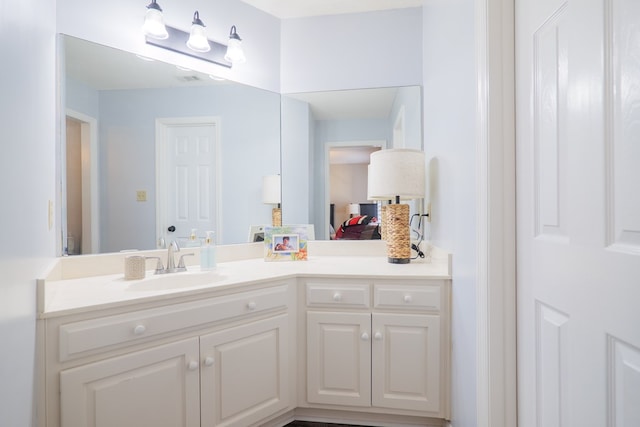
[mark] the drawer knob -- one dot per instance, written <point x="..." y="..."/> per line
<point x="407" y="299"/>
<point x="251" y="305"/>
<point x="139" y="330"/>
<point x="364" y="336"/>
<point x="208" y="361"/>
<point x="377" y="336"/>
<point x="337" y="297"/>
<point x="193" y="365"/>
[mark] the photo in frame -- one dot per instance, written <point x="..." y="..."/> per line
<point x="286" y="243"/>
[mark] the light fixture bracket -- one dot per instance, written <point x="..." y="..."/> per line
<point x="177" y="42"/>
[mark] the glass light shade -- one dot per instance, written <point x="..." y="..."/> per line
<point x="154" y="23"/>
<point x="396" y="172"/>
<point x="235" y="54"/>
<point x="271" y="189"/>
<point x="198" y="37"/>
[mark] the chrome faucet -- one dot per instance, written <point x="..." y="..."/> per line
<point x="171" y="263"/>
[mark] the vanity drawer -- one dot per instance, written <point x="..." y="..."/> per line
<point x="335" y="295"/>
<point x="418" y="297"/>
<point x="80" y="338"/>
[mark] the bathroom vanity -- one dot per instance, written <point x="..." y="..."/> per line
<point x="339" y="338"/>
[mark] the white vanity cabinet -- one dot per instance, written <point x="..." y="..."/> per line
<point x="378" y="345"/>
<point x="218" y="361"/>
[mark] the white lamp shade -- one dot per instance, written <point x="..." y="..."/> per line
<point x="354" y="209"/>
<point x="396" y="172"/>
<point x="271" y="189"/>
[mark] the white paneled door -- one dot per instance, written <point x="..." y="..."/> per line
<point x="187" y="191"/>
<point x="578" y="212"/>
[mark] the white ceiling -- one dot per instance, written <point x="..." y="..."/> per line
<point x="285" y="9"/>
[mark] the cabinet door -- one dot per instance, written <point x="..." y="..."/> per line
<point x="154" y="387"/>
<point x="339" y="358"/>
<point x="406" y="361"/>
<point x="245" y="373"/>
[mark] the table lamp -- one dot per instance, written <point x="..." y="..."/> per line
<point x="271" y="195"/>
<point x="397" y="174"/>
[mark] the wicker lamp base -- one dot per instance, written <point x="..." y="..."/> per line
<point x="397" y="234"/>
<point x="276" y="217"/>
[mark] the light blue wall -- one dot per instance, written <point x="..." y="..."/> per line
<point x="450" y="143"/>
<point x="250" y="148"/>
<point x="81" y="98"/>
<point x="362" y="50"/>
<point x="27" y="184"/>
<point x="409" y="97"/>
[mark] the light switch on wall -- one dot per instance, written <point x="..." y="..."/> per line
<point x="141" y="195"/>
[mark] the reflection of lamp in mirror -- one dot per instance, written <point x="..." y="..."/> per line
<point x="271" y="196"/>
<point x="353" y="209"/>
<point x="154" y="23"/>
<point x="397" y="174"/>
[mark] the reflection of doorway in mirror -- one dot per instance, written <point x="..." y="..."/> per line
<point x="187" y="196"/>
<point x="80" y="187"/>
<point x="347" y="176"/>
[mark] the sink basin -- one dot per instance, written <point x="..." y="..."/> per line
<point x="183" y="279"/>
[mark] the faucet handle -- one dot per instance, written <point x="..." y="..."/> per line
<point x="181" y="266"/>
<point x="159" y="266"/>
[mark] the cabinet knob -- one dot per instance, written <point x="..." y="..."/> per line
<point x="407" y="299"/>
<point x="377" y="336"/>
<point x="139" y="330"/>
<point x="364" y="336"/>
<point x="337" y="297"/>
<point x="208" y="361"/>
<point x="251" y="305"/>
<point x="193" y="365"/>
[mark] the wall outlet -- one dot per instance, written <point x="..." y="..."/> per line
<point x="141" y="196"/>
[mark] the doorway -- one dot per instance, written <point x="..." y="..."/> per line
<point x="80" y="232"/>
<point x="346" y="177"/>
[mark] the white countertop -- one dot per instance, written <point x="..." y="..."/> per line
<point x="58" y="295"/>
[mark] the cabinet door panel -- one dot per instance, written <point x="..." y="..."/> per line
<point x="245" y="373"/>
<point x="339" y="358"/>
<point x="406" y="361"/>
<point x="153" y="387"/>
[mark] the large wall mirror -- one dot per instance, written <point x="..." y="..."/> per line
<point x="151" y="151"/>
<point x="341" y="129"/>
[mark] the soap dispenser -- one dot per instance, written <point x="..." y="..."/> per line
<point x="193" y="241"/>
<point x="208" y="253"/>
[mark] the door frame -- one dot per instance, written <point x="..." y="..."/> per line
<point x="90" y="242"/>
<point x="162" y="127"/>
<point x="496" y="382"/>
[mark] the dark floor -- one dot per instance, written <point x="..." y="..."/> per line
<point x="314" y="424"/>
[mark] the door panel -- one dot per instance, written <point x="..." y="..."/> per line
<point x="245" y="373"/>
<point x="406" y="362"/>
<point x="339" y="358"/>
<point x="578" y="212"/>
<point x="152" y="387"/>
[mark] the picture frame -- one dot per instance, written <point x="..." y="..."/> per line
<point x="286" y="243"/>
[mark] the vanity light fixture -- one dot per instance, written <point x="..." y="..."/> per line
<point x="198" y="37"/>
<point x="235" y="54"/>
<point x="397" y="174"/>
<point x="154" y="23"/>
<point x="194" y="43"/>
<point x="271" y="195"/>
